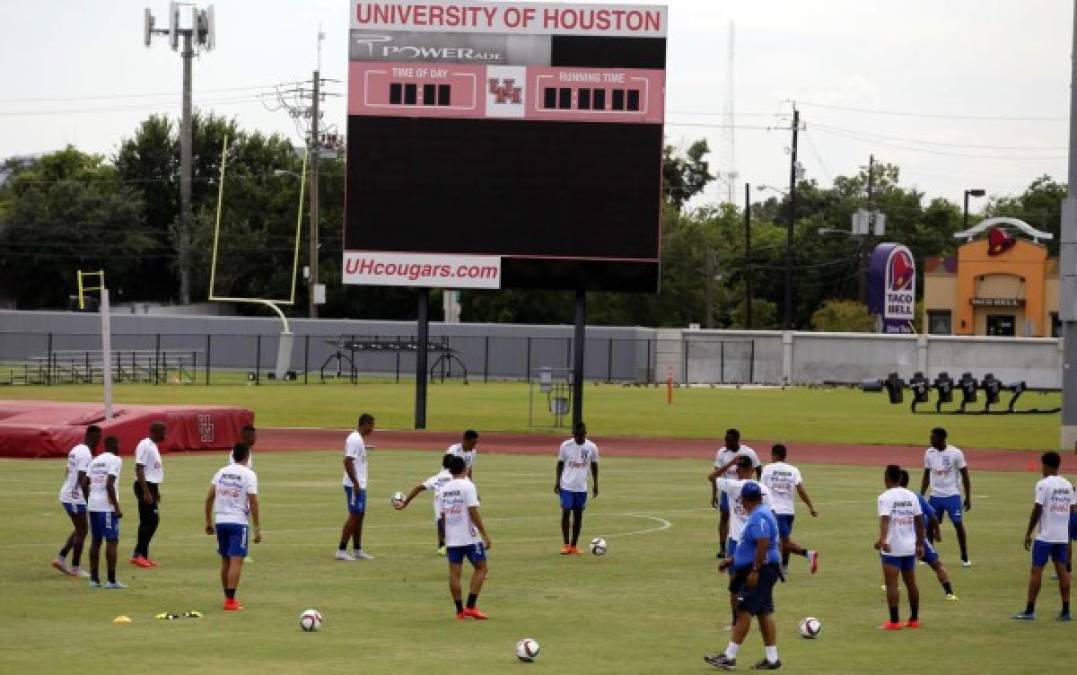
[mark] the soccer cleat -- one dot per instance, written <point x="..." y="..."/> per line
<point x="151" y="561"/>
<point x="78" y="572"/>
<point x="61" y="565"/>
<point x="566" y="550"/>
<point x="720" y="661"/>
<point x="813" y="561"/>
<point x="890" y="625"/>
<point x="966" y="563"/>
<point x="1064" y="617"/>
<point x="474" y="613"/>
<point x="951" y="597"/>
<point x="443" y="551"/>
<point x="95" y="584"/>
<point x="361" y="555"/>
<point x="767" y="665"/>
<point x="461" y="615"/>
<point x="139" y="561"/>
<point x="1024" y="616"/>
<point x="344" y="555"/>
<point x="912" y="623"/>
<point x="232" y="605"/>
<point x="113" y="585"/>
<point x="575" y="551"/>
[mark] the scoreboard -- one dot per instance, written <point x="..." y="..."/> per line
<point x="505" y="145"/>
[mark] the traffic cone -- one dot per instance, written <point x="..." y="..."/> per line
<point x="122" y="619"/>
<point x="1031" y="465"/>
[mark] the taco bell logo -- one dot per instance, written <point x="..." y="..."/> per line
<point x="892" y="287"/>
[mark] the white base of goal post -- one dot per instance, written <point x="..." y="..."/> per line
<point x="284" y="354"/>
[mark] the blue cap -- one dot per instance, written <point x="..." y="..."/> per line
<point x="751" y="491"/>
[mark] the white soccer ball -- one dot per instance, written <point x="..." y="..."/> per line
<point x="598" y="546"/>
<point x="398" y="498"/>
<point x="527" y="650"/>
<point x="810" y="627"/>
<point x="310" y="620"/>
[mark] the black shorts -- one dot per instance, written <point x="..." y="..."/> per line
<point x="758" y="600"/>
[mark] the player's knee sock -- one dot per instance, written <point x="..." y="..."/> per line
<point x="230" y="593"/>
<point x="112" y="576"/>
<point x="472" y="599"/>
<point x="893" y="614"/>
<point x="459" y="606"/>
<point x="771" y="653"/>
<point x="343" y="544"/>
<point x="1066" y="607"/>
<point x="948" y="587"/>
<point x="1030" y="608"/>
<point x="731" y="650"/>
<point x="914" y="610"/>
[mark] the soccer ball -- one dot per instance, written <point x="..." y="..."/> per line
<point x="310" y="620"/>
<point x="527" y="650"/>
<point x="398" y="498"/>
<point x="598" y="546"/>
<point x="810" y="627"/>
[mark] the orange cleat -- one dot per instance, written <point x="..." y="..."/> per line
<point x="566" y="550"/>
<point x="59" y="564"/>
<point x="574" y="551"/>
<point x="474" y="613"/>
<point x="232" y="605"/>
<point x="912" y="623"/>
<point x="461" y="615"/>
<point x="890" y="625"/>
<point x="139" y="561"/>
<point x="152" y="562"/>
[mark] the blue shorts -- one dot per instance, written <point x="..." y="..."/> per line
<point x="730" y="550"/>
<point x="723" y="503"/>
<point x="904" y="563"/>
<point x="1042" y="550"/>
<point x="231" y="540"/>
<point x="104" y="525"/>
<point x="785" y="524"/>
<point x="574" y="501"/>
<point x="759" y="600"/>
<point x="951" y="506"/>
<point x="356" y="500"/>
<point x="78" y="509"/>
<point x="931" y="556"/>
<point x="475" y="554"/>
<point x="1073" y="526"/>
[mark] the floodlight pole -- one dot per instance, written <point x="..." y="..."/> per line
<point x="106" y="348"/>
<point x="1068" y="307"/>
<point x="186" y="170"/>
<point x="314" y="148"/>
<point x="422" y="340"/>
<point x="579" y="345"/>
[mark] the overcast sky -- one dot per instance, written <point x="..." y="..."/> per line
<point x="75" y="71"/>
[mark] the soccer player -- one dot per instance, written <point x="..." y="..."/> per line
<point x="573" y="460"/>
<point x="731" y="488"/>
<point x="233" y="495"/>
<point x="465" y="536"/>
<point x="725" y="456"/>
<point x="148" y="477"/>
<point x="103" y="505"/>
<point x="755" y="571"/>
<point x="900" y="543"/>
<point x="942" y="463"/>
<point x="931" y="556"/>
<point x="433" y="484"/>
<point x="782" y="480"/>
<point x="74" y="502"/>
<point x="467" y="451"/>
<point x="355" y="476"/>
<point x="1051" y="516"/>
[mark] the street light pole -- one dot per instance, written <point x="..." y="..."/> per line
<point x="748" y="253"/>
<point x="975" y="192"/>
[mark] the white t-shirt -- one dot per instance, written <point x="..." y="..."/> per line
<point x="434" y="484"/>
<point x="902" y="506"/>
<point x="945" y="466"/>
<point x="101" y="467"/>
<point x="457" y="496"/>
<point x="457" y="450"/>
<point x="77" y="460"/>
<point x="725" y="456"/>
<point x="149" y="457"/>
<point x="732" y="488"/>
<point x="578" y="460"/>
<point x="1055" y="494"/>
<point x="355" y="448"/>
<point x="233" y="483"/>
<point x="782" y="480"/>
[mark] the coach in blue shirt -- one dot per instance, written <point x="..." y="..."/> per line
<point x="755" y="571"/>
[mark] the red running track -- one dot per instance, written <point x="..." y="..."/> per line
<point x="663" y="448"/>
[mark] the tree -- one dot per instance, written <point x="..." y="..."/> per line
<point x="685" y="177"/>
<point x="843" y="316"/>
<point x="1040" y="205"/>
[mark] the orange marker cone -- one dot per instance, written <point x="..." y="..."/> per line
<point x="1031" y="465"/>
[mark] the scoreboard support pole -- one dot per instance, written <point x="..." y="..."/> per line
<point x="579" y="345"/>
<point x="422" y="339"/>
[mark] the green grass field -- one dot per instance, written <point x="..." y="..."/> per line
<point x="654" y="604"/>
<point x="794" y="414"/>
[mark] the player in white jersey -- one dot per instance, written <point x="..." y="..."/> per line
<point x="467" y="451"/>
<point x="575" y="457"/>
<point x="433" y="484"/>
<point x="149" y="474"/>
<point x="784" y="482"/>
<point x="465" y="537"/>
<point x="724" y="457"/>
<point x="1048" y="534"/>
<point x="943" y="463"/>
<point x="731" y="488"/>
<point x="355" y="475"/>
<point x="74" y="502"/>
<point x="232" y="500"/>
<point x="900" y="544"/>
<point x="103" y="505"/>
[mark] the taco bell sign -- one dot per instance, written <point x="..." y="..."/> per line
<point x="892" y="288"/>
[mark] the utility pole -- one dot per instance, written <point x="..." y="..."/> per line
<point x="1068" y="307"/>
<point x="708" y="270"/>
<point x="201" y="34"/>
<point x="748" y="253"/>
<point x="314" y="150"/>
<point x="787" y="320"/>
<point x="862" y="269"/>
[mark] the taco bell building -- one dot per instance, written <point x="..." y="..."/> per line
<point x="1001" y="282"/>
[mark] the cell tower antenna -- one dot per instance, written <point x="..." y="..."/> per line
<point x="729" y="132"/>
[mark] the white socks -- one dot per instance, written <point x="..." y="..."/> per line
<point x="731" y="650"/>
<point x="771" y="653"/>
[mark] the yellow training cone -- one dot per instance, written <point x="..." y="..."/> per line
<point x="122" y="619"/>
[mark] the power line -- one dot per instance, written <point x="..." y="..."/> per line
<point x="104" y="97"/>
<point x="903" y="113"/>
<point x="941" y="143"/>
<point x="134" y="107"/>
<point x="872" y="141"/>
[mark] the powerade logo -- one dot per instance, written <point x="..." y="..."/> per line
<point x="392" y="48"/>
